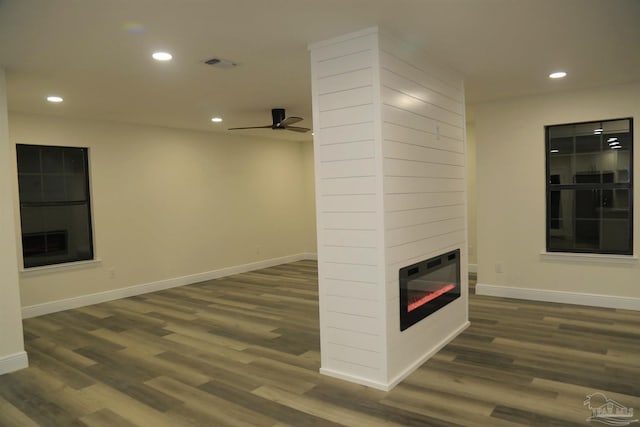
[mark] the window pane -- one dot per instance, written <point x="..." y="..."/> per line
<point x="52" y="159"/>
<point x="589" y="187"/>
<point x="28" y="158"/>
<point x="56" y="234"/>
<point x="54" y="204"/>
<point x="74" y="162"/>
<point x="561" y="215"/>
<point x="54" y="188"/>
<point x="30" y="188"/>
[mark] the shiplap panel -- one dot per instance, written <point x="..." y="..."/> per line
<point x="400" y="150"/>
<point x="350" y="238"/>
<point x="397" y="80"/>
<point x="356" y="306"/>
<point x="343" y="288"/>
<point x="352" y="61"/>
<point x="420" y="250"/>
<point x="356" y="339"/>
<point x="345" y="98"/>
<point x="352" y="185"/>
<point x="336" y="48"/>
<point x="349" y="220"/>
<point x="418" y="185"/>
<point x="351" y="272"/>
<point x="419" y="169"/>
<point x="369" y="358"/>
<point x="345" y="81"/>
<point x="355" y="203"/>
<point x="411" y="145"/>
<point x="411" y="120"/>
<point x="351" y="322"/>
<point x="398" y="133"/>
<point x="347" y="168"/>
<point x="401" y="202"/>
<point x="403" y="101"/>
<point x="394" y="57"/>
<point x="424" y="182"/>
<point x="347" y="133"/>
<point x="346" y="151"/>
<point x="401" y="236"/>
<point x="346" y="116"/>
<point x="413" y="217"/>
<point x="351" y="255"/>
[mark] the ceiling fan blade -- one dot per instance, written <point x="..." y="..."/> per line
<point x="289" y="121"/>
<point x="297" y="129"/>
<point x="252" y="127"/>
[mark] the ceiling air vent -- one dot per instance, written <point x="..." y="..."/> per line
<point x="220" y="63"/>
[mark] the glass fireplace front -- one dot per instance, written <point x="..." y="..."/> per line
<point x="427" y="286"/>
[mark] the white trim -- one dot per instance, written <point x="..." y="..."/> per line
<point x="563" y="297"/>
<point x="13" y="362"/>
<point x="355" y="379"/>
<point x="473" y="268"/>
<point x="590" y="258"/>
<point x="310" y="255"/>
<point x="84" y="300"/>
<point x="404" y="374"/>
<point x="53" y="268"/>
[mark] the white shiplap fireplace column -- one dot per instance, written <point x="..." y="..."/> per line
<point x="390" y="192"/>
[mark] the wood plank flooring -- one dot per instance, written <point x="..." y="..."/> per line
<point x="244" y="351"/>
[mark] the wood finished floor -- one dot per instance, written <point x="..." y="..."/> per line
<point x="244" y="351"/>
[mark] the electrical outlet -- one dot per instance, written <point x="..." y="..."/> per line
<point x="500" y="267"/>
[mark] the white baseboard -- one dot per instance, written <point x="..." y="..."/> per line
<point x="84" y="300"/>
<point x="473" y="268"/>
<point x="13" y="362"/>
<point x="355" y="379"/>
<point x="404" y="374"/>
<point x="578" y="298"/>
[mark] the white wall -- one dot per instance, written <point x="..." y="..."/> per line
<point x="12" y="355"/>
<point x="170" y="204"/>
<point x="511" y="198"/>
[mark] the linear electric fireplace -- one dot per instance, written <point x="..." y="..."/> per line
<point x="427" y="286"/>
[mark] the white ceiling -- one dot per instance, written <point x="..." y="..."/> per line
<point x="97" y="53"/>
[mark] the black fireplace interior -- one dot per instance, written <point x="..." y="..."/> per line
<point x="427" y="286"/>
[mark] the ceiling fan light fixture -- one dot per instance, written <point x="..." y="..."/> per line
<point x="220" y="63"/>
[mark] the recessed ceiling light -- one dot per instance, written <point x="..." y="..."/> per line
<point x="554" y="151"/>
<point x="216" y="119"/>
<point x="616" y="147"/>
<point x="162" y="56"/>
<point x="597" y="131"/>
<point x="557" y="75"/>
<point x="612" y="139"/>
<point x="54" y="99"/>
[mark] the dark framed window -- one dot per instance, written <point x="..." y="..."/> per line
<point x="590" y="187"/>
<point x="55" y="208"/>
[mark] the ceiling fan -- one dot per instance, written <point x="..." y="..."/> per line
<point x="279" y="122"/>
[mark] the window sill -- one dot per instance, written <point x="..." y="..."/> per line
<point x="55" y="268"/>
<point x="591" y="258"/>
